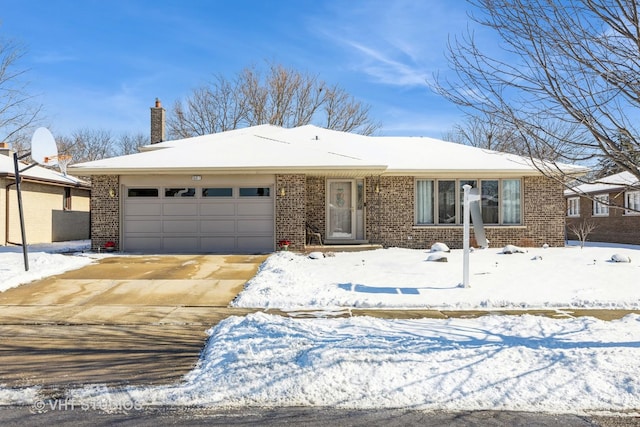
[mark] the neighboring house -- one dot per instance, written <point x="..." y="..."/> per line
<point x="55" y="206"/>
<point x="612" y="204"/>
<point x="247" y="189"/>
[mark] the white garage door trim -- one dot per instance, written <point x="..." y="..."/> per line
<point x="203" y="218"/>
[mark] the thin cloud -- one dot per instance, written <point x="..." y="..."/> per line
<point x="53" y="58"/>
<point x="387" y="70"/>
<point x="398" y="43"/>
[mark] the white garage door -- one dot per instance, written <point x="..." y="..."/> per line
<point x="198" y="219"/>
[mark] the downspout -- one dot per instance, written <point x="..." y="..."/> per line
<point x="6" y="225"/>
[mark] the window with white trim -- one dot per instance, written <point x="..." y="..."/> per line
<point x="424" y="202"/>
<point x="255" y="191"/>
<point x="573" y="206"/>
<point x="601" y="205"/>
<point x="511" y="210"/>
<point x="142" y="192"/>
<point x="217" y="192"/>
<point x="180" y="192"/>
<point x="632" y="203"/>
<point x="441" y="201"/>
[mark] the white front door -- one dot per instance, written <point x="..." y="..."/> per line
<point x="341" y="212"/>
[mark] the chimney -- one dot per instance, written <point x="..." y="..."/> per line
<point x="157" y="123"/>
<point x="5" y="149"/>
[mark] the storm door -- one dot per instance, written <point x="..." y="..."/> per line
<point x="341" y="212"/>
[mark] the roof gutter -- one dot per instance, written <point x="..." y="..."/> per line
<point x="47" y="181"/>
<point x="307" y="170"/>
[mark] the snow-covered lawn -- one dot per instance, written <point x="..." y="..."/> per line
<point x="44" y="260"/>
<point x="403" y="278"/>
<point x="524" y="363"/>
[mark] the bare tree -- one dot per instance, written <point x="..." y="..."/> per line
<point x="486" y="132"/>
<point x="566" y="80"/>
<point x="18" y="111"/>
<point x="582" y="230"/>
<point x="283" y="97"/>
<point x="130" y="143"/>
<point x="86" y="145"/>
<point x="344" y="113"/>
<point x="210" y="109"/>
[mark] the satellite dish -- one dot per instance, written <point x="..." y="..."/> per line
<point x="44" y="150"/>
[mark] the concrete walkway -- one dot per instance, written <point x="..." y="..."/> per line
<point x="142" y="319"/>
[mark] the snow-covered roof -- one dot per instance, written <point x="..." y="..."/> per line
<point x="39" y="173"/>
<point x="614" y="182"/>
<point x="310" y="149"/>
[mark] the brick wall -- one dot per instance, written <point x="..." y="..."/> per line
<point x="105" y="211"/>
<point x="544" y="211"/>
<point x="615" y="228"/>
<point x="390" y="211"/>
<point x="316" y="201"/>
<point x="390" y="217"/>
<point x="291" y="210"/>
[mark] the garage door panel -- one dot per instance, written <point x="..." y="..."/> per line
<point x="221" y="226"/>
<point x="181" y="244"/>
<point x="180" y="209"/>
<point x="143" y="244"/>
<point x="218" y="209"/>
<point x="255" y="244"/>
<point x="255" y="209"/>
<point x="184" y="226"/>
<point x="218" y="244"/>
<point x="149" y="209"/>
<point x="142" y="225"/>
<point x="252" y="226"/>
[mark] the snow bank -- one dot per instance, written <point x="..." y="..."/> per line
<point x="44" y="260"/>
<point x="523" y="363"/>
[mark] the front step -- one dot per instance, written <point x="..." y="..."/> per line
<point x="341" y="248"/>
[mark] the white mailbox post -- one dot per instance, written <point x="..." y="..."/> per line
<point x="471" y="207"/>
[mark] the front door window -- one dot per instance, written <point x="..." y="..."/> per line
<point x="341" y="210"/>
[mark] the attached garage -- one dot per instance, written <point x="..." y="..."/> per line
<point x="197" y="214"/>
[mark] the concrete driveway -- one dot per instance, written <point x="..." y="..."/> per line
<point x="122" y="320"/>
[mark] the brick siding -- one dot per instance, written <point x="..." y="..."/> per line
<point x="291" y="210"/>
<point x="617" y="227"/>
<point x="315" y="203"/>
<point x="391" y="206"/>
<point x="105" y="211"/>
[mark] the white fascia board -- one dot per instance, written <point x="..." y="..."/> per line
<point x="315" y="170"/>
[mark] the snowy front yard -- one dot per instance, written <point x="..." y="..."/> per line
<point x="523" y="363"/>
<point x="403" y="278"/>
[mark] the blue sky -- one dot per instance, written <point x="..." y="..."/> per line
<point x="101" y="64"/>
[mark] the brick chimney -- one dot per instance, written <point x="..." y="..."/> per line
<point x="157" y="123"/>
<point x="5" y="148"/>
